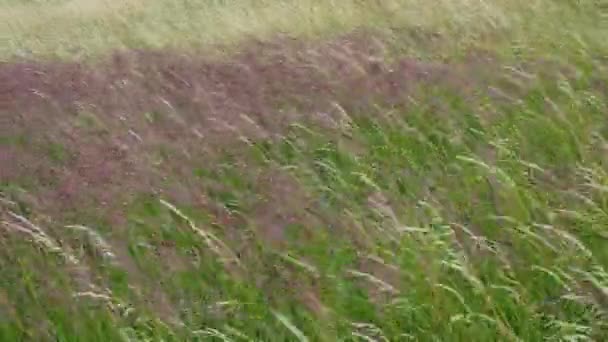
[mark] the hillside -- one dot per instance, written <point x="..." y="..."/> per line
<point x="303" y="170"/>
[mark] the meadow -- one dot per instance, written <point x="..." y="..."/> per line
<point x="282" y="170"/>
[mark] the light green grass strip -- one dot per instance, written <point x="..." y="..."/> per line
<point x="88" y="27"/>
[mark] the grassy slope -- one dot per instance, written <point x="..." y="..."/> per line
<point x="84" y="27"/>
<point x="451" y="220"/>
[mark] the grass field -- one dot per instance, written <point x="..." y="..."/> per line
<point x="308" y="170"/>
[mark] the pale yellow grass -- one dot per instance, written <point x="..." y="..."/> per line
<point x="89" y="27"/>
<point x="27" y="16"/>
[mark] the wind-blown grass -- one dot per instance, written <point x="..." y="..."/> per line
<point x="89" y="27"/>
<point x="462" y="195"/>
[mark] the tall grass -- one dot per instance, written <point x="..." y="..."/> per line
<point x="89" y="27"/>
<point x="450" y="219"/>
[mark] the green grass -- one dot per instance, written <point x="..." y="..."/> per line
<point x="447" y="222"/>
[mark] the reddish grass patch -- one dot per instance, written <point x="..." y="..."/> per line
<point x="143" y="121"/>
<point x="138" y="120"/>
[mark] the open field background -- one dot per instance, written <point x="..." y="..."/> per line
<point x="303" y="170"/>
